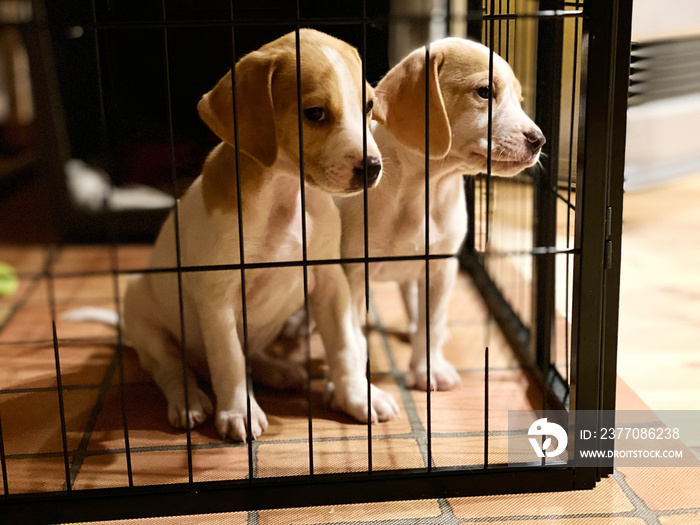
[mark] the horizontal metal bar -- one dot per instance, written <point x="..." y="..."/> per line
<point x="252" y="22"/>
<point x="261" y="493"/>
<point x="538" y="250"/>
<point x="538" y="15"/>
<point x="259" y="265"/>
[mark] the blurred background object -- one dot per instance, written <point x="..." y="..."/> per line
<point x="662" y="133"/>
<point x="16" y="104"/>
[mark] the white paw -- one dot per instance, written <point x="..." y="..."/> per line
<point x="443" y="375"/>
<point x="352" y="399"/>
<point x="199" y="407"/>
<point x="234" y="423"/>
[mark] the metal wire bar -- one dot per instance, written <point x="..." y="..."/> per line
<point x="507" y="32"/>
<point x="114" y="262"/>
<point x="486" y="407"/>
<point x="368" y="367"/>
<point x="303" y="228"/>
<point x="177" y="24"/>
<point x="500" y="26"/>
<point x="257" y="265"/>
<point x="57" y="361"/>
<point x="574" y="83"/>
<point x="241" y="240"/>
<point x="428" y="70"/>
<point x="178" y="253"/>
<point x="536" y="251"/>
<point x="61" y="407"/>
<point x="489" y="138"/>
<point x="3" y="463"/>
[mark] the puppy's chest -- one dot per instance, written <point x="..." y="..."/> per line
<point x="285" y="236"/>
<point x="407" y="235"/>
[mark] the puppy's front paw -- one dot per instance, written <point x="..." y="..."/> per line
<point x="234" y="423"/>
<point x="443" y="375"/>
<point x="353" y="401"/>
<point x="199" y="407"/>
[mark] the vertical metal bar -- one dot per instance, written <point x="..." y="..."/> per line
<point x="500" y="26"/>
<point x="120" y="363"/>
<point x="61" y="405"/>
<point x="241" y="243"/>
<point x="606" y="30"/>
<point x="620" y="69"/>
<point x="427" y="253"/>
<point x="470" y="189"/>
<point x="548" y="108"/>
<point x="572" y="130"/>
<point x="178" y="254"/>
<point x="486" y="408"/>
<point x="57" y="362"/>
<point x="508" y="32"/>
<point x="475" y="13"/>
<point x="113" y="259"/>
<point x="302" y="182"/>
<point x="368" y="367"/>
<point x="489" y="138"/>
<point x="448" y="17"/>
<point x="3" y="463"/>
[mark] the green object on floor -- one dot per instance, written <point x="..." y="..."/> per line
<point x="8" y="280"/>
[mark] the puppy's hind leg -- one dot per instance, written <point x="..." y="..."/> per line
<point x="158" y="354"/>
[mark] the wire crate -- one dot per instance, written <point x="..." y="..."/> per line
<point x="534" y="327"/>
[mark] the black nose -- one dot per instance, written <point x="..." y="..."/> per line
<point x="535" y="139"/>
<point x="374" y="167"/>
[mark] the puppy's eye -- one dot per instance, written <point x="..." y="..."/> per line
<point x="369" y="106"/>
<point x="315" y="114"/>
<point x="484" y="92"/>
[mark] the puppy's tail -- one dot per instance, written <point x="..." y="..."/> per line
<point x="92" y="314"/>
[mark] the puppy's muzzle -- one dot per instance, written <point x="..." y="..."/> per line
<point x="535" y="140"/>
<point x="374" y="168"/>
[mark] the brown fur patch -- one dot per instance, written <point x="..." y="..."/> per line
<point x="219" y="187"/>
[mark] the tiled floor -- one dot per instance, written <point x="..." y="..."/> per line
<point x="96" y="409"/>
<point x="91" y="376"/>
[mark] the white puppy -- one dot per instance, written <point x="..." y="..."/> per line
<point x="458" y="79"/>
<point x="208" y="230"/>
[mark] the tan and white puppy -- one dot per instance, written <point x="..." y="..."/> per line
<point x="458" y="80"/>
<point x="268" y="139"/>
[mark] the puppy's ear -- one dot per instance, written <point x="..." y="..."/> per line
<point x="255" y="112"/>
<point x="400" y="104"/>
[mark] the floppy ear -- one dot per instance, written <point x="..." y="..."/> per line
<point x="255" y="112"/>
<point x="400" y="103"/>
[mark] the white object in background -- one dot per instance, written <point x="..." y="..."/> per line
<point x="662" y="141"/>
<point x="91" y="189"/>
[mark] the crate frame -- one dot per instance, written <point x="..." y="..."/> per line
<point x="606" y="33"/>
